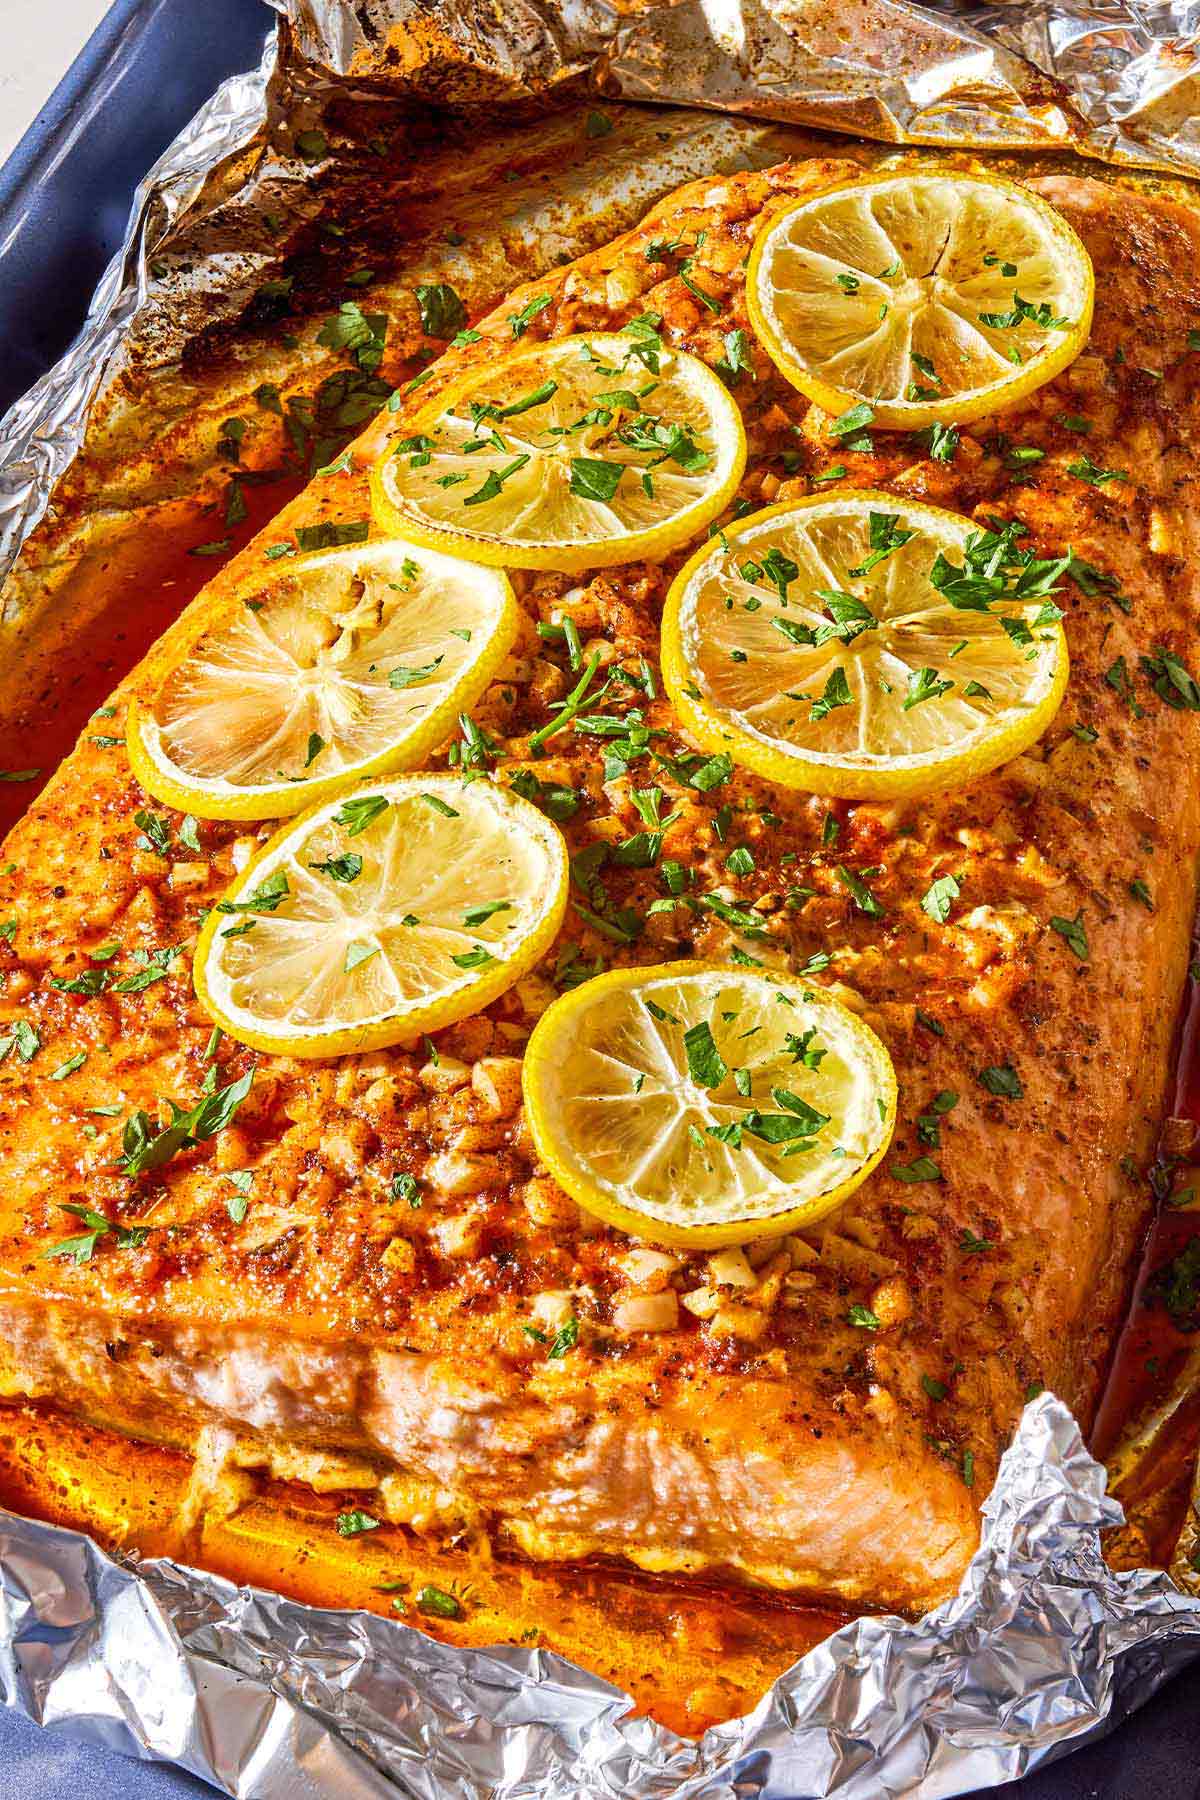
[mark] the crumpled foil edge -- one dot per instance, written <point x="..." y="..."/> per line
<point x="43" y="431"/>
<point x="1043" y="1648"/>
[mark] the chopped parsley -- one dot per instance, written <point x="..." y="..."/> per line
<point x="521" y="321"/>
<point x="406" y="1187"/>
<point x="1003" y="1081"/>
<point x="82" y="1248"/>
<point x="493" y="482"/>
<point x="1171" y="680"/>
<point x="736" y="360"/>
<point x="565" y="1338"/>
<point x="344" y="868"/>
<point x="885" y="535"/>
<point x="357" y="953"/>
<point x="924" y="684"/>
<point x="859" y="892"/>
<point x="404" y="677"/>
<point x="835" y="693"/>
<point x="1084" y="469"/>
<point x="477" y="957"/>
<point x="24" y="1039"/>
<point x="144" y="1147"/>
<point x="1176" y="1286"/>
<point x="329" y="534"/>
<point x="1025" y="311"/>
<point x="557" y="802"/>
<point x="995" y="569"/>
<point x="594" y="479"/>
<point x="362" y="334"/>
<point x="851" y="427"/>
<point x="929" y="1124"/>
<point x="706" y="1066"/>
<point x="922" y="1168"/>
<point x="156" y="832"/>
<point x="442" y="311"/>
<point x="939" y="896"/>
<point x="941" y="442"/>
<point x="354" y="1523"/>
<point x="1075" y="933"/>
<point x="863" y="1318"/>
<point x="359" y="811"/>
<point x="265" y="898"/>
<point x="437" y="1603"/>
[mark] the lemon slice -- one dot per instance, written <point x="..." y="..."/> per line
<point x="324" y="670"/>
<point x="390" y="911"/>
<point x="696" y="1104"/>
<point x="861" y="644"/>
<point x="573" y="455"/>
<point x="928" y="297"/>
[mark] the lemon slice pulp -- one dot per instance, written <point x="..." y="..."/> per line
<point x="394" y="910"/>
<point x="571" y="455"/>
<point x="326" y="669"/>
<point x="696" y="1104"/>
<point x="865" y="645"/>
<point x="928" y="297"/>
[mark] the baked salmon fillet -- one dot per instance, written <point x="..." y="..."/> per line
<point x="477" y="1361"/>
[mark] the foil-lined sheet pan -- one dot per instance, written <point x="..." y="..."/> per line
<point x="1044" y="1645"/>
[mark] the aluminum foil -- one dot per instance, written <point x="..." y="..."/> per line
<point x="1115" y="79"/>
<point x="44" y="430"/>
<point x="1042" y="1648"/>
<point x="1044" y="1645"/>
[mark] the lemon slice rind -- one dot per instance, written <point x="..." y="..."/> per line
<point x="601" y="1134"/>
<point x="380" y="698"/>
<point x="691" y="648"/>
<point x="840" y="348"/>
<point x="424" y="495"/>
<point x="490" y="874"/>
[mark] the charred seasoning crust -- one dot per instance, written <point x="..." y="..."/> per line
<point x="1003" y="1269"/>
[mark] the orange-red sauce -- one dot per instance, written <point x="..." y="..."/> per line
<point x="1152" y="1348"/>
<point x="66" y="677"/>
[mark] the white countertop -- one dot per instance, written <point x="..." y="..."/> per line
<point x="41" y="40"/>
